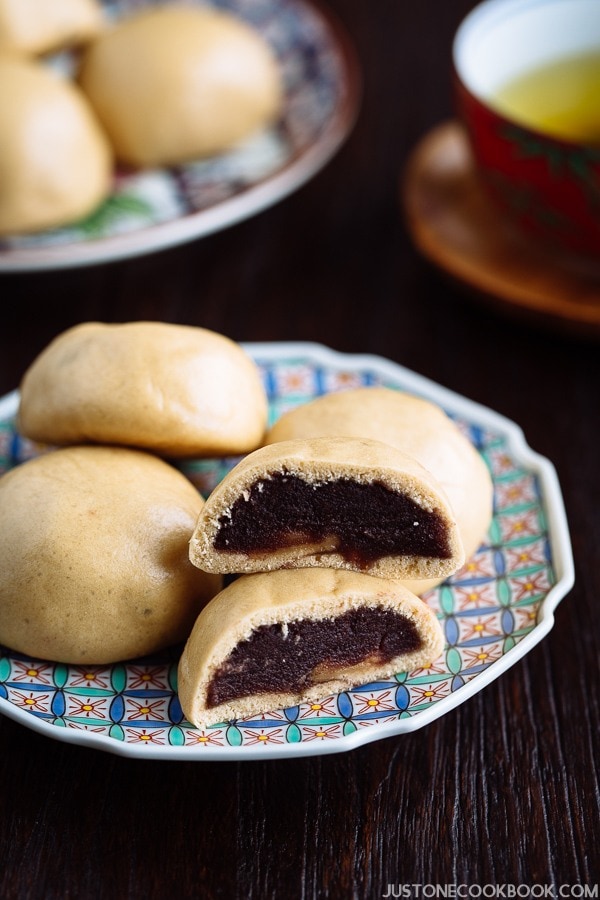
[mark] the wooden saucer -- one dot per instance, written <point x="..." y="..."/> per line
<point x="456" y="226"/>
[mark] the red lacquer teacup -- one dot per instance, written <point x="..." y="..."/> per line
<point x="548" y="184"/>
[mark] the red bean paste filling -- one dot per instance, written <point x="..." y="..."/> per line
<point x="276" y="658"/>
<point x="368" y="521"/>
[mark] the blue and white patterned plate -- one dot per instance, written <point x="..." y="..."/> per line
<point x="158" y="208"/>
<point x="493" y="611"/>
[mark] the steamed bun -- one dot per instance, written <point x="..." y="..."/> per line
<point x="173" y="83"/>
<point x="419" y="428"/>
<point x="39" y="26"/>
<point x="55" y="161"/>
<point x="93" y="557"/>
<point x="177" y="390"/>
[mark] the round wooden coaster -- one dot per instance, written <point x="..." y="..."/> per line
<point x="456" y="226"/>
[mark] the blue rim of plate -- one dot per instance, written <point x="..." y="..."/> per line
<point x="494" y="611"/>
<point x="160" y="208"/>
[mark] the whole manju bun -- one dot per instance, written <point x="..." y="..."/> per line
<point x="55" y="160"/>
<point x="176" y="390"/>
<point x="94" y="556"/>
<point x="173" y="83"/>
<point x="40" y="26"/>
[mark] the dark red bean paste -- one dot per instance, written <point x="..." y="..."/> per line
<point x="368" y="521"/>
<point x="282" y="658"/>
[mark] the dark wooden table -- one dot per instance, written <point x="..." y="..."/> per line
<point x="504" y="790"/>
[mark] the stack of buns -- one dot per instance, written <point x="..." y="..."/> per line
<point x="158" y="87"/>
<point x="409" y="499"/>
<point x="332" y="521"/>
<point x="94" y="557"/>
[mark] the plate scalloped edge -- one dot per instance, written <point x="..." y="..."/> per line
<point x="481" y="416"/>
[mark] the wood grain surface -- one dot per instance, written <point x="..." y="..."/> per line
<point x="503" y="790"/>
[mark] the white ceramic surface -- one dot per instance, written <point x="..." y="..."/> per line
<point x="501" y="39"/>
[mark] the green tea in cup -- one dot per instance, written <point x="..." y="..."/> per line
<point x="527" y="77"/>
<point x="560" y="98"/>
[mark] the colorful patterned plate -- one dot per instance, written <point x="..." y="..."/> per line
<point x="493" y="611"/>
<point x="160" y="208"/>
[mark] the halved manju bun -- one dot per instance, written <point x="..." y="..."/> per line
<point x="278" y="639"/>
<point x="417" y="427"/>
<point x="339" y="503"/>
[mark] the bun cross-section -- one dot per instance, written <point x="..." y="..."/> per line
<point x="277" y="639"/>
<point x="341" y="503"/>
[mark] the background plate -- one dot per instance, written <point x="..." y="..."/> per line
<point x="493" y="611"/>
<point x="159" y="208"/>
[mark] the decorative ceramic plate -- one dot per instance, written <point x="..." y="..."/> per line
<point x="158" y="208"/>
<point x="493" y="611"/>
